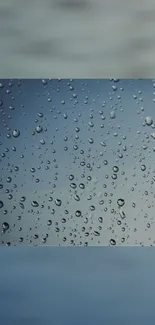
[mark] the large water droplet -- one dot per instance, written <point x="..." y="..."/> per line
<point x="78" y="213"/>
<point x="58" y="202"/>
<point x="112" y="242"/>
<point x="149" y="120"/>
<point x="38" y="128"/>
<point x="112" y="114"/>
<point x="120" y="202"/>
<point x="16" y="133"/>
<point x="35" y="204"/>
<point x="143" y="167"/>
<point x="5" y="226"/>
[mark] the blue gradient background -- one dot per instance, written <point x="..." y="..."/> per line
<point x="127" y="134"/>
<point x="66" y="285"/>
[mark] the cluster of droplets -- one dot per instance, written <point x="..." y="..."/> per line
<point x="73" y="169"/>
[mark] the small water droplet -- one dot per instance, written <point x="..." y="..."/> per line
<point x="1" y="204"/>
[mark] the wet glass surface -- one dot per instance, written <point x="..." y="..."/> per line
<point x="77" y="162"/>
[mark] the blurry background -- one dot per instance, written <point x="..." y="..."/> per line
<point x="77" y="162"/>
<point x="77" y="38"/>
<point x="74" y="285"/>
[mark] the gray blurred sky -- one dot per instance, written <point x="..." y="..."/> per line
<point x="77" y="38"/>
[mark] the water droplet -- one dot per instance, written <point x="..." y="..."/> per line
<point x="149" y="120"/>
<point x="76" y="197"/>
<point x="71" y="177"/>
<point x="120" y="202"/>
<point x="38" y="128"/>
<point x="5" y="226"/>
<point x="40" y="114"/>
<point x="114" y="87"/>
<point x="143" y="167"/>
<point x="153" y="135"/>
<point x="49" y="222"/>
<point x="82" y="186"/>
<point x="58" y="202"/>
<point x="112" y="114"/>
<point x="96" y="233"/>
<point x="122" y="214"/>
<point x="115" y="169"/>
<point x="34" y="204"/>
<point x="112" y="242"/>
<point x="78" y="213"/>
<point x="1" y="204"/>
<point x="91" y="141"/>
<point x="44" y="81"/>
<point x="100" y="219"/>
<point x="16" y="133"/>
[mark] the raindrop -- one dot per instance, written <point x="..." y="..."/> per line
<point x="73" y="185"/>
<point x="49" y="222"/>
<point x="44" y="81"/>
<point x="149" y="120"/>
<point x="16" y="133"/>
<point x="76" y="197"/>
<point x="120" y="202"/>
<point x="143" y="167"/>
<point x="78" y="213"/>
<point x="96" y="233"/>
<point x="115" y="169"/>
<point x="122" y="214"/>
<point x="112" y="242"/>
<point x="5" y="226"/>
<point x="38" y="129"/>
<point x="58" y="202"/>
<point x="112" y="114"/>
<point x="1" y="204"/>
<point x="34" y="204"/>
<point x="71" y="177"/>
<point x="91" y="141"/>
